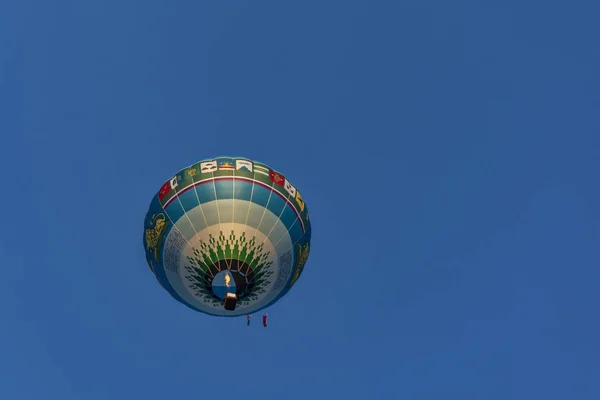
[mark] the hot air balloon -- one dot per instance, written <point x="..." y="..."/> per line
<point x="227" y="236"/>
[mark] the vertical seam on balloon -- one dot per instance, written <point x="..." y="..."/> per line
<point x="292" y="249"/>
<point x="278" y="295"/>
<point x="195" y="187"/>
<point x="166" y="237"/>
<point x="232" y="215"/>
<point x="191" y="224"/>
<point x="216" y="198"/>
<point x="294" y="262"/>
<point x="266" y="207"/>
<point x="288" y="230"/>
<point x="186" y="215"/>
<point x="297" y="219"/>
<point x="276" y="255"/>
<point x="253" y="182"/>
<point x="198" y="197"/>
<point x="263" y="216"/>
<point x="277" y="220"/>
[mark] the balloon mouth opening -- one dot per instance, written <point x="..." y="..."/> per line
<point x="232" y="281"/>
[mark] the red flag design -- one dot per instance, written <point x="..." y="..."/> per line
<point x="277" y="178"/>
<point x="164" y="190"/>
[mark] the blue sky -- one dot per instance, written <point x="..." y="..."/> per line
<point x="448" y="152"/>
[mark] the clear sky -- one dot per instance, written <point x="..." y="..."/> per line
<point x="448" y="152"/>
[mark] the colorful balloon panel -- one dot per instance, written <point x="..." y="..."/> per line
<point x="227" y="225"/>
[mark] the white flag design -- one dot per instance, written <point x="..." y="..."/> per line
<point x="174" y="183"/>
<point x="208" y="166"/>
<point x="290" y="189"/>
<point x="243" y="165"/>
<point x="261" y="169"/>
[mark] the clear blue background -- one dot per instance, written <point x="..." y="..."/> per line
<point x="448" y="152"/>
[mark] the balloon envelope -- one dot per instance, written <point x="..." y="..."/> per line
<point x="227" y="225"/>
